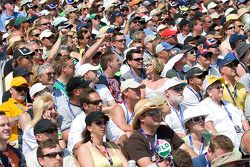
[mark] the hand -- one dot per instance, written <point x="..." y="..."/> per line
<point x="29" y="106"/>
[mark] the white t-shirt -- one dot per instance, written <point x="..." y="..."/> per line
<point x="191" y="97"/>
<point x="104" y="93"/>
<point x="29" y="140"/>
<point x="222" y="122"/>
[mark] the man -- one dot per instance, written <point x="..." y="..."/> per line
<point x="163" y="51"/>
<point x="116" y="18"/>
<point x="44" y="23"/>
<point x="192" y="93"/>
<point x="149" y="136"/>
<point x="16" y="104"/>
<point x="219" y="145"/>
<point x="9" y="155"/>
<point x="47" y="130"/>
<point x="91" y="102"/>
<point x="123" y="114"/>
<point x="174" y="97"/>
<point x="184" y="30"/>
<point x="8" y="13"/>
<point x="110" y="65"/>
<point x="134" y="61"/>
<point x="49" y="154"/>
<point x="69" y="111"/>
<point x="197" y="27"/>
<point x="234" y="91"/>
<point x="64" y="68"/>
<point x="46" y="75"/>
<point x="71" y="14"/>
<point x="118" y="45"/>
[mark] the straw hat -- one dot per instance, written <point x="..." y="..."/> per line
<point x="144" y="105"/>
<point x="12" y="43"/>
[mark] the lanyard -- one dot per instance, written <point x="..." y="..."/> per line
<point x="197" y="94"/>
<point x="108" y="158"/>
<point x="153" y="150"/>
<point x="20" y="107"/>
<point x="230" y="93"/>
<point x="70" y="109"/>
<point x="134" y="75"/>
<point x="128" y="119"/>
<point x="180" y="116"/>
<point x="228" y="113"/>
<point x="207" y="161"/>
<point x="192" y="145"/>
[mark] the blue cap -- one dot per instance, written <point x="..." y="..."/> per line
<point x="167" y="46"/>
<point x="236" y="37"/>
<point x="229" y="58"/>
<point x="81" y="25"/>
<point x="115" y="14"/>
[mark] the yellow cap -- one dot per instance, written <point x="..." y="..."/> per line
<point x="17" y="81"/>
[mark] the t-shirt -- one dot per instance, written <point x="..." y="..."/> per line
<point x="138" y="147"/>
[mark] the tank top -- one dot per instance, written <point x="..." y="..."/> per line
<point x="128" y="115"/>
<point x="151" y="93"/>
<point x="101" y="161"/>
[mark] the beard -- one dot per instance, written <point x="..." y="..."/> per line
<point x="176" y="99"/>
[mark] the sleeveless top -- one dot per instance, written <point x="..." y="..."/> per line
<point x="151" y="93"/>
<point x="128" y="115"/>
<point x="101" y="161"/>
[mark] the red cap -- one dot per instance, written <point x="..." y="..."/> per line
<point x="168" y="32"/>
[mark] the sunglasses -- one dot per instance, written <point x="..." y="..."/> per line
<point x="136" y="22"/>
<point x="152" y="113"/>
<point x="231" y="65"/>
<point x="51" y="73"/>
<point x="49" y="38"/>
<point x="20" y="89"/>
<point x="147" y="65"/>
<point x="36" y="35"/>
<point x="100" y="122"/>
<point x="138" y="59"/>
<point x="145" y="13"/>
<point x="54" y="154"/>
<point x="38" y="50"/>
<point x="178" y="89"/>
<point x="121" y="40"/>
<point x="240" y="26"/>
<point x="209" y="21"/>
<point x="229" y="28"/>
<point x="44" y="24"/>
<point x="198" y="119"/>
<point x="192" y="52"/>
<point x="95" y="102"/>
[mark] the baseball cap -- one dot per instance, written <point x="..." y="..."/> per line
<point x="131" y="83"/>
<point x="68" y="9"/>
<point x="192" y="112"/>
<point x="236" y="37"/>
<point x="43" y="125"/>
<point x="20" y="71"/>
<point x="172" y="4"/>
<point x="149" y="38"/>
<point x="45" y="33"/>
<point x="195" y="71"/>
<point x="83" y="69"/>
<point x="115" y="14"/>
<point x="242" y="11"/>
<point x="209" y="80"/>
<point x="81" y="25"/>
<point x="22" y="52"/>
<point x="18" y="81"/>
<point x="161" y="27"/>
<point x="174" y="82"/>
<point x="155" y="12"/>
<point x="76" y="83"/>
<point x="183" y="22"/>
<point x="168" y="32"/>
<point x="215" y="15"/>
<point x="51" y="6"/>
<point x="94" y="116"/>
<point x="204" y="52"/>
<point x="37" y="87"/>
<point x="127" y="51"/>
<point x="211" y="5"/>
<point x="64" y="25"/>
<point x="229" y="58"/>
<point x="59" y="20"/>
<point x="242" y="48"/>
<point x="163" y="46"/>
<point x="8" y="1"/>
<point x="21" y="19"/>
<point x="91" y="16"/>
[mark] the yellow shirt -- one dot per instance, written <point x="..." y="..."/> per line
<point x="238" y="93"/>
<point x="12" y="108"/>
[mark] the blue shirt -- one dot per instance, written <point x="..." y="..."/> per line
<point x="5" y="17"/>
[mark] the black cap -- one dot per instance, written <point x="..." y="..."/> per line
<point x="242" y="48"/>
<point x="76" y="83"/>
<point x="22" y="52"/>
<point x="43" y="125"/>
<point x="8" y="1"/>
<point x="183" y="22"/>
<point x="20" y="71"/>
<point x="94" y="116"/>
<point x="64" y="25"/>
<point x="195" y="71"/>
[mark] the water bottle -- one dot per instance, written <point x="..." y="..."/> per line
<point x="131" y="163"/>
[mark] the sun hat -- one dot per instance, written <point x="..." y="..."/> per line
<point x="242" y="11"/>
<point x="174" y="82"/>
<point x="11" y="43"/>
<point x="83" y="69"/>
<point x="68" y="9"/>
<point x="45" y="33"/>
<point x="170" y="64"/>
<point x="131" y="83"/>
<point x="209" y="80"/>
<point x="192" y="112"/>
<point x="144" y="105"/>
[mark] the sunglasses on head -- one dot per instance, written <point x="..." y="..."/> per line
<point x="152" y="113"/>
<point x="95" y="102"/>
<point x="100" y="122"/>
<point x="54" y="154"/>
<point x="21" y="88"/>
<point x="198" y="119"/>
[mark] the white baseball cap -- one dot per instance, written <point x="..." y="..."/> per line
<point x="174" y="82"/>
<point x="193" y="112"/>
<point x="83" y="69"/>
<point x="211" y="5"/>
<point x="45" y="33"/>
<point x="36" y="88"/>
<point x="131" y="83"/>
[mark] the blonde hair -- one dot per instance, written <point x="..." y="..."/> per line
<point x="157" y="65"/>
<point x="40" y="104"/>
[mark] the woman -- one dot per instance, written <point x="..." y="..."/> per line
<point x="197" y="138"/>
<point x="93" y="152"/>
<point x="43" y="108"/>
<point x="154" y="82"/>
<point x="226" y="32"/>
<point x="223" y="117"/>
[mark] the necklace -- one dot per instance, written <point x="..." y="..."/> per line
<point x="107" y="157"/>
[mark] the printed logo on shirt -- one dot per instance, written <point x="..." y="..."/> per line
<point x="164" y="148"/>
